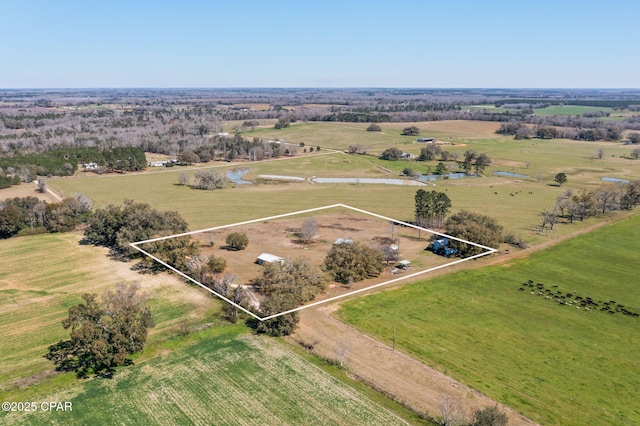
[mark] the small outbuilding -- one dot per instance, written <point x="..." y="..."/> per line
<point x="426" y="140"/>
<point x="342" y="241"/>
<point x="404" y="264"/>
<point x="269" y="258"/>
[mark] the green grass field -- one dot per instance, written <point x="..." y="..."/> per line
<point x="551" y="110"/>
<point x="569" y="110"/>
<point x="508" y="199"/>
<point x="42" y="276"/>
<point x="221" y="376"/>
<point x="555" y="364"/>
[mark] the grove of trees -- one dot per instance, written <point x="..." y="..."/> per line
<point x="411" y="131"/>
<point x="429" y="152"/>
<point x="392" y="154"/>
<point x="297" y="279"/>
<point x="118" y="226"/>
<point x="20" y="213"/>
<point x="431" y="207"/>
<point x="209" y="179"/>
<point x="351" y="262"/>
<point x="286" y="286"/>
<point x="474" y="227"/>
<point x="607" y="198"/>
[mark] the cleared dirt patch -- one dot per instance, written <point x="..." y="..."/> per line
<point x="279" y="238"/>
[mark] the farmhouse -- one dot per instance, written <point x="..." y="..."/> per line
<point x="90" y="166"/>
<point x="162" y="163"/>
<point x="268" y="258"/>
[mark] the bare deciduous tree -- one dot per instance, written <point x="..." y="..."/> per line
<point x="341" y="350"/>
<point x="42" y="186"/>
<point x="607" y="197"/>
<point x="308" y="230"/>
<point x="84" y="201"/>
<point x="183" y="179"/>
<point x="450" y="411"/>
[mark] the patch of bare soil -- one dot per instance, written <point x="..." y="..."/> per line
<point x="454" y="127"/>
<point x="25" y="190"/>
<point x="508" y="163"/>
<point x="279" y="237"/>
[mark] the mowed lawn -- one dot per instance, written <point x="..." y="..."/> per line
<point x="554" y="363"/>
<point x="222" y="376"/>
<point x="42" y="276"/>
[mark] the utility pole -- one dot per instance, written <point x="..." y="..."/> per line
<point x="394" y="338"/>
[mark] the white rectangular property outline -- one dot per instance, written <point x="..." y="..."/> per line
<point x="489" y="250"/>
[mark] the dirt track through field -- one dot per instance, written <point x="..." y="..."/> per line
<point x="415" y="384"/>
<point x="412" y="382"/>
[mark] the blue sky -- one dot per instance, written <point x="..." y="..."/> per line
<point x="191" y="43"/>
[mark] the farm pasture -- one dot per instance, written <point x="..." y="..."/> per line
<point x="555" y="364"/>
<point x="516" y="203"/>
<point x="42" y="276"/>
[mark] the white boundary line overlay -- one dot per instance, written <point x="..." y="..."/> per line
<point x="488" y="251"/>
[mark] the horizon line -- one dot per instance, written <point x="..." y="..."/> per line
<point x="311" y="88"/>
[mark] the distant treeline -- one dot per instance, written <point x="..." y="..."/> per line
<point x="64" y="161"/>
<point x="601" y="103"/>
<point x="173" y="122"/>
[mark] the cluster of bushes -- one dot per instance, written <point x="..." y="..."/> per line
<point x="19" y="213"/>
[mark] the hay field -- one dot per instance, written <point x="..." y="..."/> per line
<point x="556" y="364"/>
<point x="223" y="376"/>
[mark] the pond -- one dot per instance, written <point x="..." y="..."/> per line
<point x="235" y="176"/>
<point x="511" y="174"/>
<point x="456" y="175"/>
<point x="280" y="177"/>
<point x="616" y="180"/>
<point x="383" y="181"/>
